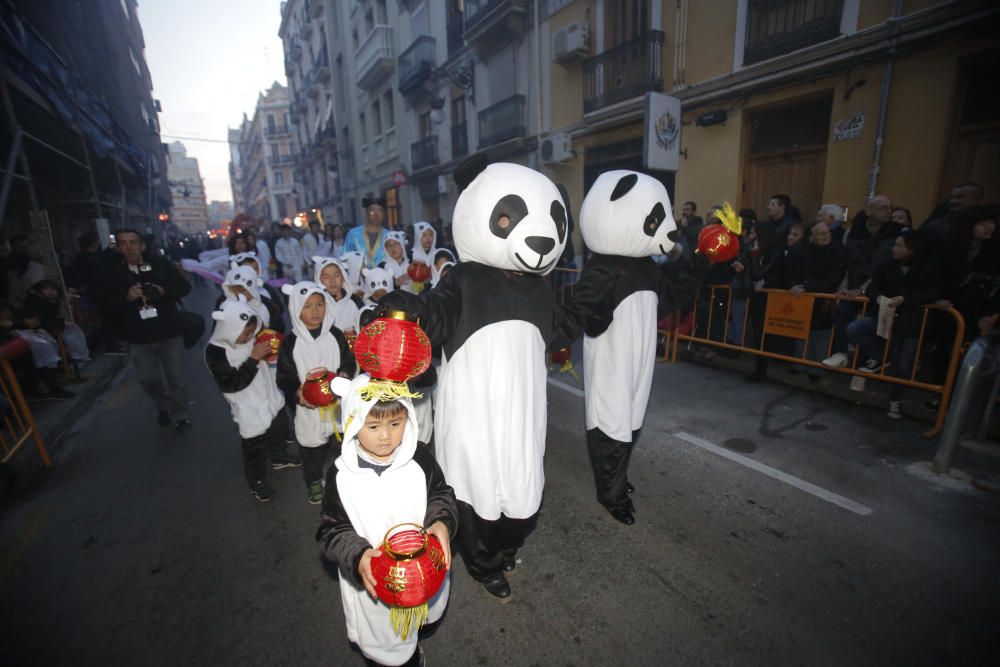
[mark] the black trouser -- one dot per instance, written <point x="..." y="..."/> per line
<point x="314" y="459"/>
<point x="609" y="460"/>
<point x="258" y="449"/>
<point x="483" y="544"/>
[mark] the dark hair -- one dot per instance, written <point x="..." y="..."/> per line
<point x="232" y="242"/>
<point x="970" y="184"/>
<point x="749" y="215"/>
<point x="801" y="226"/>
<point x="87" y="239"/>
<point x="694" y="207"/>
<point x="43" y="283"/>
<point x="383" y="409"/>
<point x="909" y="216"/>
<point x="785" y="200"/>
<point x="127" y="230"/>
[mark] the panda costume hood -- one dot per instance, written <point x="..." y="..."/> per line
<point x="345" y="309"/>
<point x="373" y="280"/>
<point x="355" y="261"/>
<point x="494" y="316"/>
<point x="397" y="269"/>
<point x="360" y="505"/>
<point x="246" y="277"/>
<point x="241" y="257"/>
<point x="419" y="254"/>
<point x="436" y="270"/>
<point x="246" y="384"/>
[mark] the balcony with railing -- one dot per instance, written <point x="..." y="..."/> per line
<point x="502" y="121"/>
<point x="321" y="66"/>
<point x="327" y="137"/>
<point x="455" y="39"/>
<point x="488" y="24"/>
<point x="424" y="153"/>
<point x="416" y="64"/>
<point x="777" y="27"/>
<point x="276" y="131"/>
<point x="623" y="72"/>
<point x="280" y="160"/>
<point x="459" y="140"/>
<point x="375" y="57"/>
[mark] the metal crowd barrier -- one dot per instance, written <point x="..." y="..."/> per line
<point x="942" y="390"/>
<point x="17" y="425"/>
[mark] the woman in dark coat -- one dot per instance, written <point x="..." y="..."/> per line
<point x="766" y="270"/>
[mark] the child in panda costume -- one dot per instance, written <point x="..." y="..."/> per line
<point x="243" y="281"/>
<point x="396" y="263"/>
<point x="382" y="478"/>
<point x="276" y="304"/>
<point x="424" y="243"/>
<point x="494" y="316"/>
<point x="625" y="220"/>
<point x="314" y="342"/>
<point x="333" y="275"/>
<point x="355" y="262"/>
<point x="239" y="367"/>
<point x="376" y="283"/>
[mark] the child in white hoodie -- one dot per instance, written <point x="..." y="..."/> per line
<point x="243" y="280"/>
<point x="314" y="342"/>
<point x="333" y="275"/>
<point x="238" y="366"/>
<point x="396" y="263"/>
<point x="382" y="478"/>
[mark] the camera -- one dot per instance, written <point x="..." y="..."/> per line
<point x="149" y="291"/>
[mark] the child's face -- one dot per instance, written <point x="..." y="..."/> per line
<point x="394" y="249"/>
<point x="50" y="293"/>
<point x="241" y="290"/>
<point x="380" y="437"/>
<point x="313" y="311"/>
<point x="426" y="239"/>
<point x="32" y="322"/>
<point x="253" y="264"/>
<point x="332" y="279"/>
<point x="248" y="331"/>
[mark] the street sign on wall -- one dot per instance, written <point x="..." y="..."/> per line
<point x="661" y="142"/>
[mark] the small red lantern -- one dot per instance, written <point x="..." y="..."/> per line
<point x="718" y="244"/>
<point x="418" y="272"/>
<point x="410" y="571"/>
<point x="275" y="339"/>
<point x="316" y="389"/>
<point x="561" y="356"/>
<point x="393" y="348"/>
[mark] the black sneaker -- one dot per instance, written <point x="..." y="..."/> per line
<point x="286" y="461"/>
<point x="183" y="425"/>
<point x="163" y="418"/>
<point x="262" y="491"/>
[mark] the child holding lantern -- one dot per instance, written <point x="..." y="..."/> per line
<point x="383" y="478"/>
<point x="314" y="347"/>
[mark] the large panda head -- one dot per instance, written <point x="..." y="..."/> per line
<point x="376" y="282"/>
<point x="510" y="217"/>
<point x="627" y="213"/>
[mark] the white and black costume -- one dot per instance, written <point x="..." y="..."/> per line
<point x="362" y="501"/>
<point x="268" y="312"/>
<point x="625" y="220"/>
<point x="345" y="306"/>
<point x="494" y="316"/>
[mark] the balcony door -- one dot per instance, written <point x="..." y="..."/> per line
<point x="625" y="20"/>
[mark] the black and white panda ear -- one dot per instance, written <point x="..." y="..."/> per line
<point x="625" y="183"/>
<point x="466" y="172"/>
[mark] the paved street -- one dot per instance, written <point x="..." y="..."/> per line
<point x="818" y="542"/>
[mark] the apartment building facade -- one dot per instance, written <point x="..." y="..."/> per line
<point x="190" y="211"/>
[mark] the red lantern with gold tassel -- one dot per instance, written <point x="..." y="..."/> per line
<point x="721" y="243"/>
<point x="392" y="350"/>
<point x="418" y="272"/>
<point x="409" y="572"/>
<point x="274" y="339"/>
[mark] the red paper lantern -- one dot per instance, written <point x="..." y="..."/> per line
<point x="418" y="272"/>
<point x="718" y="244"/>
<point x="393" y="348"/>
<point x="275" y="339"/>
<point x="561" y="356"/>
<point x="409" y="572"/>
<point x="316" y="389"/>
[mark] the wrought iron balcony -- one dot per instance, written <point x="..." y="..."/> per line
<point x="623" y="72"/>
<point x="424" y="153"/>
<point x="504" y="120"/>
<point x="416" y="63"/>
<point x="276" y="131"/>
<point x="459" y="140"/>
<point x="280" y="161"/>
<point x="488" y="24"/>
<point x="375" y="57"/>
<point x="777" y="27"/>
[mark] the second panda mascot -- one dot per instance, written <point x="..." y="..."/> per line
<point x="494" y="316"/>
<point x="625" y="220"/>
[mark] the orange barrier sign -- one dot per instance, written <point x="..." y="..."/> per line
<point x="788" y="315"/>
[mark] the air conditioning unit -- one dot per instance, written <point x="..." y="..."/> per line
<point x="556" y="148"/>
<point x="571" y="43"/>
<point x="443" y="186"/>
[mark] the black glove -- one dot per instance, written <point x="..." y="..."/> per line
<point x="401" y="300"/>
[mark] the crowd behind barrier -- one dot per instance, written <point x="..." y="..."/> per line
<point x="18" y="425"/>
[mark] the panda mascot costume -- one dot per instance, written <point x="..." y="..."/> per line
<point x="625" y="220"/>
<point x="494" y="315"/>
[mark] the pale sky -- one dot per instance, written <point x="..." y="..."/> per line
<point x="209" y="60"/>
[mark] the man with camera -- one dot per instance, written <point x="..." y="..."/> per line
<point x="142" y="291"/>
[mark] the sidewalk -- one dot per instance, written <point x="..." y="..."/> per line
<point x="55" y="419"/>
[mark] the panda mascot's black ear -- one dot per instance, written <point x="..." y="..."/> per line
<point x="466" y="172"/>
<point x="564" y="193"/>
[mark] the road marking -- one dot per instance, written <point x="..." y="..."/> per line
<point x="566" y="387"/>
<point x="774" y="473"/>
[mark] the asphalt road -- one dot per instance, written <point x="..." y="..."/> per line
<point x="773" y="527"/>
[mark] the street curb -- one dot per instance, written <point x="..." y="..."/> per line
<point x="54" y="434"/>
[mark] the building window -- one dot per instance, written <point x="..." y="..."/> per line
<point x="458" y="110"/>
<point x="425" y="124"/>
<point x="390" y="110"/>
<point x="270" y="122"/>
<point x="777" y="27"/>
<point x="376" y="118"/>
<point x="274" y="151"/>
<point x="362" y="124"/>
<point x="279" y="177"/>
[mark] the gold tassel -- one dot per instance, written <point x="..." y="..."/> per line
<point x="386" y="391"/>
<point x="567" y="367"/>
<point x="404" y="618"/>
<point x="729" y="219"/>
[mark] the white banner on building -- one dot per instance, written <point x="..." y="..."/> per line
<point x="661" y="142"/>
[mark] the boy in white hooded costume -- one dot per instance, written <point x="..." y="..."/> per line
<point x="239" y="367"/>
<point x="382" y="478"/>
<point x="396" y="263"/>
<point x="424" y="243"/>
<point x="334" y="276"/>
<point x="243" y="281"/>
<point x="314" y="342"/>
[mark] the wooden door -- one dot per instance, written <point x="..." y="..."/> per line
<point x="797" y="174"/>
<point x="974" y="150"/>
<point x="625" y="20"/>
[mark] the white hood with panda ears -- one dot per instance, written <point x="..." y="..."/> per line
<point x="354" y="261"/>
<point x="320" y="263"/>
<point x="245" y="277"/>
<point x="353" y="412"/>
<point x="373" y="280"/>
<point x="627" y="213"/>
<point x="418" y="254"/>
<point x="240" y="257"/>
<point x="536" y="236"/>
<point x="297" y="295"/>
<point x="230" y="320"/>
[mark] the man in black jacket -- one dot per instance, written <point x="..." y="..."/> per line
<point x="142" y="291"/>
